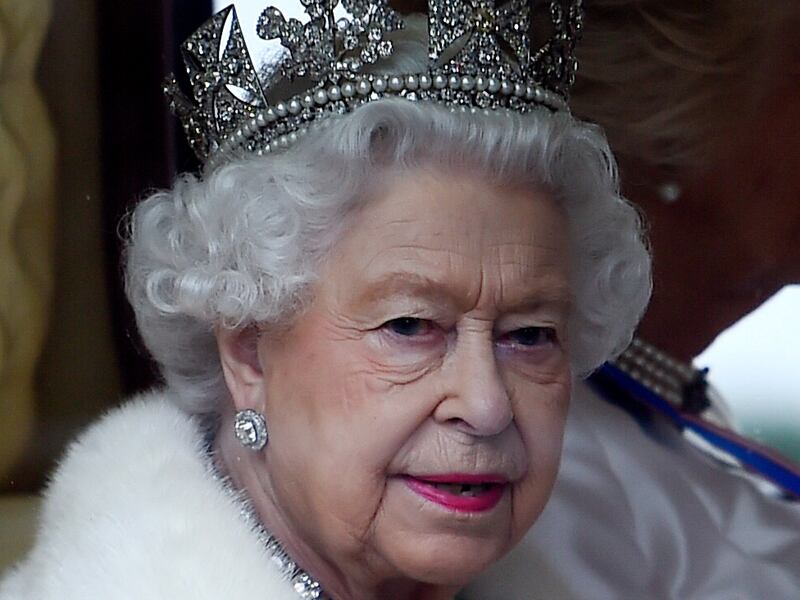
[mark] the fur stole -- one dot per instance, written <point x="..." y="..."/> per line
<point x="135" y="512"/>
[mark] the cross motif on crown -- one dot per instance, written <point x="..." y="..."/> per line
<point x="496" y="37"/>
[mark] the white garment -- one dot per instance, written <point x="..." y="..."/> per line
<point x="134" y="512"/>
<point x="632" y="518"/>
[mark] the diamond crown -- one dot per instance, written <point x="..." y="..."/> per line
<point x="481" y="55"/>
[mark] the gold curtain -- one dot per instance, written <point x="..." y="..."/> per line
<point x="27" y="162"/>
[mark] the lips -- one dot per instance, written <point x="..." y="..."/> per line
<point x="459" y="492"/>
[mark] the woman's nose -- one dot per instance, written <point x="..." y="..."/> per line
<point x="476" y="400"/>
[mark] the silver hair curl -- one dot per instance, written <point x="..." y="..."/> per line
<point x="243" y="244"/>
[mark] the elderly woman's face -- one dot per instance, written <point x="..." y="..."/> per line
<point x="416" y="409"/>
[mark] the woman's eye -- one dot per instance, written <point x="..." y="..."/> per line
<point x="532" y="336"/>
<point x="408" y="326"/>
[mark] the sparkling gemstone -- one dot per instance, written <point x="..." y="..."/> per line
<point x="369" y="54"/>
<point x="246" y="432"/>
<point x="314" y="35"/>
<point x="483" y="19"/>
<point x="483" y="99"/>
<point x="315" y="10"/>
<point x="350" y="41"/>
<point x="557" y="14"/>
<point x="487" y="56"/>
<point x="385" y="48"/>
<point x="270" y="24"/>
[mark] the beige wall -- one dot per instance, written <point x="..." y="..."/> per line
<point x="78" y="374"/>
<point x="27" y="157"/>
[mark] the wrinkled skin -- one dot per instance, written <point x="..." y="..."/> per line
<point x="435" y="343"/>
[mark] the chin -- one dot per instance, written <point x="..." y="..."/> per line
<point x="449" y="560"/>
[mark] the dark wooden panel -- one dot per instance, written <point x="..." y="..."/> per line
<point x="142" y="146"/>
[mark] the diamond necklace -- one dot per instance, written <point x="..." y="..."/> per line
<point x="304" y="584"/>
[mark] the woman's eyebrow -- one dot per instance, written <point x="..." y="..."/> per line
<point x="549" y="294"/>
<point x="405" y="283"/>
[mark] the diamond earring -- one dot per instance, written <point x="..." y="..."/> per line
<point x="250" y="428"/>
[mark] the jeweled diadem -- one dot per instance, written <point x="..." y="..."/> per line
<point x="482" y="54"/>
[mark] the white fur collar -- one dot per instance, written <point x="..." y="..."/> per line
<point x="134" y="513"/>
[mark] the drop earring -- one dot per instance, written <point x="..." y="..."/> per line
<point x="250" y="428"/>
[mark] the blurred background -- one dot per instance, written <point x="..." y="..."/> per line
<point x="702" y="103"/>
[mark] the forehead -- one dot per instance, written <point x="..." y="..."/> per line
<point x="455" y="230"/>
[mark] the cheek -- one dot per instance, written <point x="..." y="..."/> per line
<point x="340" y="395"/>
<point x="540" y="415"/>
<point x="338" y="423"/>
<point x="389" y="407"/>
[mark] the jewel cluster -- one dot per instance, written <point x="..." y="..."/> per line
<point x="323" y="46"/>
<point x="480" y="58"/>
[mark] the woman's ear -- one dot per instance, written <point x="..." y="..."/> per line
<point x="241" y="366"/>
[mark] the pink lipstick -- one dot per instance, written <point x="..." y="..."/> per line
<point x="461" y="492"/>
